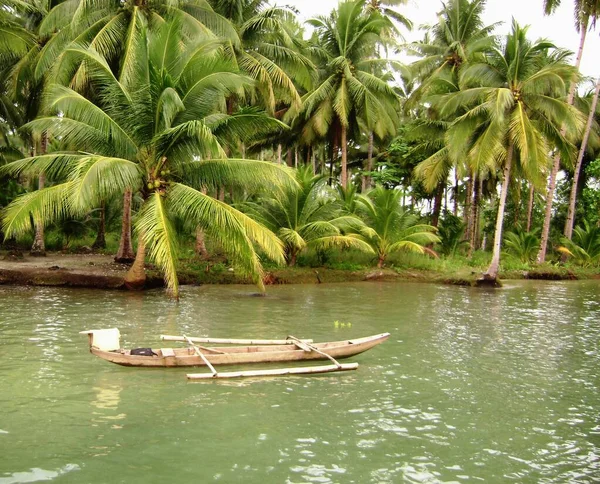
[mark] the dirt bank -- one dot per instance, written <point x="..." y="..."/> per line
<point x="81" y="270"/>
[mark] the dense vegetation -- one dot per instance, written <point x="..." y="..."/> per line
<point x="226" y="128"/>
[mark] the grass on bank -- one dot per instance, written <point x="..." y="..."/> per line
<point x="334" y="265"/>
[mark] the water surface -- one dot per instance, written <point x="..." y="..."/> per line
<point x="473" y="385"/>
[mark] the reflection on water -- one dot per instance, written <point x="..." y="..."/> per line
<point x="473" y="385"/>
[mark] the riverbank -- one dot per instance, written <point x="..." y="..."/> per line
<point x="101" y="271"/>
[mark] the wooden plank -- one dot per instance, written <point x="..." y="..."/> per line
<point x="167" y="352"/>
<point x="275" y="372"/>
<point x="265" y="342"/>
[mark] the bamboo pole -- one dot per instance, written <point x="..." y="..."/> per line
<point x="199" y="353"/>
<point x="266" y="342"/>
<point x="275" y="372"/>
<point x="308" y="348"/>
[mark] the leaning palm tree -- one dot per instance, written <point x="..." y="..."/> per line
<point x="515" y="110"/>
<point x="392" y="227"/>
<point x="586" y="15"/>
<point x="308" y="216"/>
<point x="162" y="138"/>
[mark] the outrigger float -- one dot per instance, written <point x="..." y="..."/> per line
<point x="105" y="343"/>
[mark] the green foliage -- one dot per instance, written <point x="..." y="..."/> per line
<point x="161" y="133"/>
<point x="523" y="245"/>
<point x="309" y="215"/>
<point x="585" y="246"/>
<point x="391" y="227"/>
<point x="451" y="232"/>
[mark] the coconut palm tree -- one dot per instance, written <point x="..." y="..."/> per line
<point x="308" y="216"/>
<point x="568" y="233"/>
<point x="392" y="227"/>
<point x="347" y="88"/>
<point x="515" y="110"/>
<point x="162" y="138"/>
<point x="271" y="50"/>
<point x="460" y="36"/>
<point x="586" y="14"/>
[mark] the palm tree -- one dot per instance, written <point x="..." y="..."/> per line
<point x="271" y="50"/>
<point x="459" y="37"/>
<point x="586" y="14"/>
<point x="113" y="29"/>
<point x="577" y="170"/>
<point x="308" y="216"/>
<point x="348" y="89"/>
<point x="161" y="137"/>
<point x="393" y="228"/>
<point x="514" y="114"/>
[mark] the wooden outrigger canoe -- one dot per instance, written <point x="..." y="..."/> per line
<point x="268" y="351"/>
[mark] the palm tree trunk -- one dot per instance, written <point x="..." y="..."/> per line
<point x="344" y="174"/>
<point x="492" y="273"/>
<point x="136" y="275"/>
<point x="38" y="248"/>
<point x="474" y="218"/>
<point x="366" y="180"/>
<point x="468" y="206"/>
<point x="530" y="207"/>
<point x="201" y="251"/>
<point x="552" y="181"/>
<point x="437" y="204"/>
<point x="125" y="252"/>
<point x="279" y="153"/>
<point x="313" y="160"/>
<point x="455" y="208"/>
<point x="100" y="242"/>
<point x="586" y="135"/>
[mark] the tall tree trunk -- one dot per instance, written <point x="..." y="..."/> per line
<point x="455" y="208"/>
<point x="586" y="136"/>
<point x="125" y="252"/>
<point x="366" y="179"/>
<point x="221" y="194"/>
<point x="492" y="273"/>
<point x="279" y="153"/>
<point x="136" y="275"/>
<point x="38" y="248"/>
<point x="556" y="164"/>
<point x="530" y="207"/>
<point x="100" y="242"/>
<point x="289" y="158"/>
<point x="344" y="174"/>
<point x="295" y="157"/>
<point x="334" y="151"/>
<point x="468" y="204"/>
<point x="201" y="251"/>
<point x="437" y="204"/>
<point x="313" y="160"/>
<point x="474" y="218"/>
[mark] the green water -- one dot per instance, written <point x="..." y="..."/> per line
<point x="473" y="385"/>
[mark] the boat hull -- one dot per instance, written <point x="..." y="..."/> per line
<point x="241" y="355"/>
